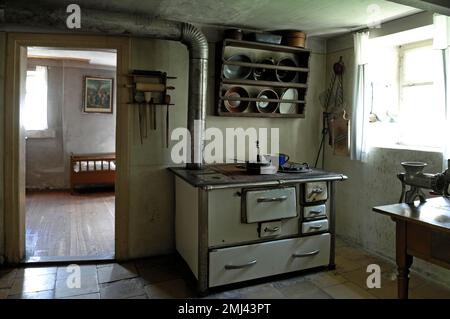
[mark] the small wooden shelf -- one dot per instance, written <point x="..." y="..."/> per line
<point x="156" y="78"/>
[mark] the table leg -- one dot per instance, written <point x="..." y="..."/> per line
<point x="404" y="261"/>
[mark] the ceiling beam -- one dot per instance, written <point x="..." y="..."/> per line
<point x="437" y="6"/>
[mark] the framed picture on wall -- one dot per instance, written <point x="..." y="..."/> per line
<point x="98" y="95"/>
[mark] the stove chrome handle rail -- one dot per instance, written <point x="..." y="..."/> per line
<point x="308" y="254"/>
<point x="271" y="230"/>
<point x="271" y="199"/>
<point x="250" y="263"/>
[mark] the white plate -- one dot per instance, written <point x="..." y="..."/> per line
<point x="288" y="107"/>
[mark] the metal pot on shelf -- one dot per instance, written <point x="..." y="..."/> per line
<point x="263" y="74"/>
<point x="284" y="75"/>
<point x="233" y="72"/>
<point x="267" y="106"/>
<point x="231" y="102"/>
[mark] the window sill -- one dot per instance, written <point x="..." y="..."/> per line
<point x="40" y="134"/>
<point x="408" y="148"/>
<point x="385" y="135"/>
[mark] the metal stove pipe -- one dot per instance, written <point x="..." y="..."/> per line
<point x="16" y="18"/>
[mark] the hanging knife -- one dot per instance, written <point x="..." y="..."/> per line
<point x="140" y="106"/>
<point x="145" y="119"/>
<point x="167" y="101"/>
<point x="154" y="115"/>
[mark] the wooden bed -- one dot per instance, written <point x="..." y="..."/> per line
<point x="92" y="169"/>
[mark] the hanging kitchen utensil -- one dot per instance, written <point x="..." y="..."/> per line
<point x="141" y="124"/>
<point x="140" y="99"/>
<point x="154" y="114"/>
<point x="340" y="129"/>
<point x="150" y="90"/>
<point x="332" y="101"/>
<point x="145" y="120"/>
<point x="167" y="102"/>
<point x="148" y="99"/>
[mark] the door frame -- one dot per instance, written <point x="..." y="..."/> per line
<point x="14" y="187"/>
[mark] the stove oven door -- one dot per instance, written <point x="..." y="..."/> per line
<point x="261" y="205"/>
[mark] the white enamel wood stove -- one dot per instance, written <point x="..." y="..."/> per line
<point x="230" y="230"/>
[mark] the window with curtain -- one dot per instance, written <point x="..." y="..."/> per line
<point x="35" y="108"/>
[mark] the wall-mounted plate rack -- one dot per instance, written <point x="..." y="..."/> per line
<point x="258" y="53"/>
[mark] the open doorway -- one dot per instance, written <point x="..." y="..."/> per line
<point x="69" y="116"/>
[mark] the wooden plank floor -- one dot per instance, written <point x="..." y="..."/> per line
<point x="59" y="224"/>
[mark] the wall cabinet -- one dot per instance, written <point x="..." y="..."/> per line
<point x="261" y="80"/>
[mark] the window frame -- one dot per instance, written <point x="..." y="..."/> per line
<point x="401" y="83"/>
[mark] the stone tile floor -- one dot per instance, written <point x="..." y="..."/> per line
<point x="166" y="277"/>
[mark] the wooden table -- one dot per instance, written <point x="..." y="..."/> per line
<point x="422" y="231"/>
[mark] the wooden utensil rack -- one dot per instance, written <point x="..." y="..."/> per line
<point x="149" y="89"/>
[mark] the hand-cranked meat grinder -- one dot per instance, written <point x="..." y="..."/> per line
<point x="416" y="180"/>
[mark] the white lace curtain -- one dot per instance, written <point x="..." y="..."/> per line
<point x="359" y="149"/>
<point x="441" y="42"/>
